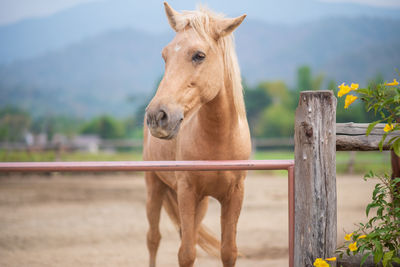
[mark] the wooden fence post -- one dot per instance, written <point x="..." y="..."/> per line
<point x="315" y="177"/>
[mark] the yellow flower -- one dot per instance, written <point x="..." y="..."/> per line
<point x="388" y="127"/>
<point x="349" y="100"/>
<point x="354" y="86"/>
<point x="320" y="263"/>
<point x="353" y="246"/>
<point x="331" y="259"/>
<point x="348" y="236"/>
<point x="395" y="82"/>
<point x="344" y="89"/>
<point x="317" y="261"/>
<point x="362" y="236"/>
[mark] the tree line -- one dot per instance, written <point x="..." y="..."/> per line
<point x="270" y="109"/>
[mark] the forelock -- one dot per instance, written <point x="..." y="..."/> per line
<point x="201" y="20"/>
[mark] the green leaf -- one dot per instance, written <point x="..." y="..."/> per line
<point x="370" y="174"/>
<point x="393" y="139"/>
<point x="396" y="259"/>
<point x="380" y="211"/>
<point x="371" y="126"/>
<point x="378" y="253"/>
<point x="387" y="257"/>
<point x="388" y="102"/>
<point x="382" y="141"/>
<point x="362" y="91"/>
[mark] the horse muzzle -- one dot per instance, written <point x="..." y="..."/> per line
<point x="164" y="123"/>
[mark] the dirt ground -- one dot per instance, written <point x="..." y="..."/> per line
<point x="99" y="220"/>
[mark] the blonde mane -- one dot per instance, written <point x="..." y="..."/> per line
<point x="201" y="20"/>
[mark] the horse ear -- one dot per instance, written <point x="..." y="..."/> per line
<point x="171" y="15"/>
<point x="227" y="26"/>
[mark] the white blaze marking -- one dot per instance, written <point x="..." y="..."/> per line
<point x="177" y="48"/>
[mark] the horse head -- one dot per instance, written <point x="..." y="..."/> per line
<point x="195" y="69"/>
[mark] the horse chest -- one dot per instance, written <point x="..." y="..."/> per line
<point x="217" y="184"/>
<point x="196" y="143"/>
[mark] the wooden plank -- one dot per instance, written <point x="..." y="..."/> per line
<point x="351" y="137"/>
<point x="351" y="128"/>
<point x="315" y="177"/>
<point x="359" y="143"/>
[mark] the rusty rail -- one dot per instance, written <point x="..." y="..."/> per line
<point x="206" y="165"/>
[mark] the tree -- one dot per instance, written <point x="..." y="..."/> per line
<point x="104" y="126"/>
<point x="304" y="79"/>
<point x="53" y="124"/>
<point x="256" y="100"/>
<point x="14" y="124"/>
<point x="277" y="119"/>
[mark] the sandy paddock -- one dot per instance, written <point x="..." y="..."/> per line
<point x="99" y="220"/>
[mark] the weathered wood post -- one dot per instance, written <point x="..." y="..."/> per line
<point x="315" y="177"/>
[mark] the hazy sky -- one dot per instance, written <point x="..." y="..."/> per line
<point x="15" y="10"/>
<point x="383" y="3"/>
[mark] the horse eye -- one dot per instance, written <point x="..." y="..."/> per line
<point x="198" y="57"/>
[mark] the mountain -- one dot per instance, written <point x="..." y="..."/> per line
<point x="99" y="74"/>
<point x="341" y="48"/>
<point x="32" y="37"/>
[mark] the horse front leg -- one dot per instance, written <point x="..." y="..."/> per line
<point x="187" y="204"/>
<point x="155" y="194"/>
<point x="230" y="211"/>
<point x="201" y="210"/>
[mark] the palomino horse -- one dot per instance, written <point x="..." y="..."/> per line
<point x="197" y="113"/>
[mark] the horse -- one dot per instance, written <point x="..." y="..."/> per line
<point x="197" y="113"/>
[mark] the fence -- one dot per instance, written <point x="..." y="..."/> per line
<point x="312" y="195"/>
<point x="317" y="137"/>
<point x="167" y="166"/>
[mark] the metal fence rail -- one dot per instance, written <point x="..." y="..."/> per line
<point x="100" y="166"/>
<point x="206" y="165"/>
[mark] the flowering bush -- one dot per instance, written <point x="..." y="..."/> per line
<point x="380" y="236"/>
<point x="384" y="99"/>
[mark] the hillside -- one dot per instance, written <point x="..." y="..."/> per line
<point x="95" y="76"/>
<point x="341" y="48"/>
<point x="35" y="36"/>
<point x="98" y="74"/>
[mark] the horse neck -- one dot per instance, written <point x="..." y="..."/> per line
<point x="219" y="116"/>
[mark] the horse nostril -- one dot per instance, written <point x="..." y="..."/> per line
<point x="161" y="116"/>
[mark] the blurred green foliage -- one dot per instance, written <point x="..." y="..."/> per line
<point x="271" y="105"/>
<point x="270" y="109"/>
<point x="14" y="123"/>
<point x="105" y="127"/>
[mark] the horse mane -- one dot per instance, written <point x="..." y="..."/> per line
<point x="201" y="20"/>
